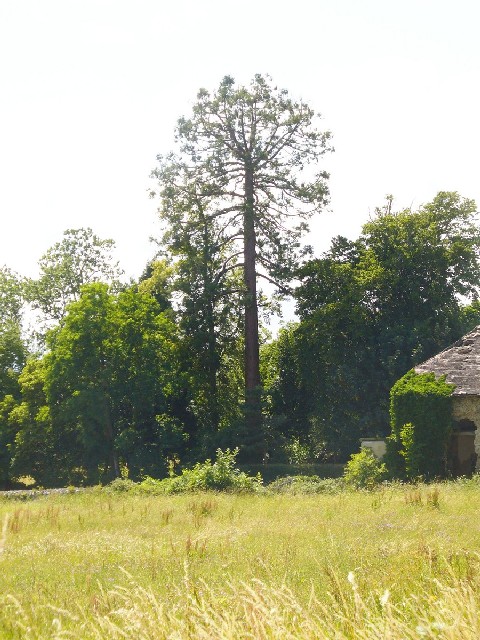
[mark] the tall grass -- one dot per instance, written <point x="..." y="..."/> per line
<point x="193" y="609"/>
<point x="400" y="562"/>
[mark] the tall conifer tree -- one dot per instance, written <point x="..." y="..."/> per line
<point x="252" y="154"/>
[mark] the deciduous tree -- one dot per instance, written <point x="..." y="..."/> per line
<point x="80" y="258"/>
<point x="13" y="350"/>
<point x="372" y="309"/>
<point x="110" y="375"/>
<point x="208" y="290"/>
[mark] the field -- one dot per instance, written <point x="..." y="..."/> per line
<point x="399" y="562"/>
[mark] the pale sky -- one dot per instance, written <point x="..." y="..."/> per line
<point x="90" y="91"/>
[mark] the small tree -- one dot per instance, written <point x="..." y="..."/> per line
<point x="421" y="421"/>
<point x="364" y="470"/>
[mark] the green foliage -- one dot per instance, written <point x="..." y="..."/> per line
<point x="317" y="395"/>
<point x="13" y="350"/>
<point x="274" y="471"/>
<point x="413" y="450"/>
<point x="11" y="295"/>
<point x="281" y="367"/>
<point x="421" y="421"/>
<point x="123" y="385"/>
<point x="206" y="282"/>
<point x="297" y="452"/>
<point x="80" y="258"/>
<point x="37" y="446"/>
<point x="364" y="470"/>
<point x="104" y="395"/>
<point x="121" y="485"/>
<point x="258" y="131"/>
<point x="393" y="459"/>
<point x="372" y="309"/>
<point x="305" y="485"/>
<point x="221" y="475"/>
<point x="13" y="355"/>
<point x="157" y="280"/>
<point x="218" y="476"/>
<point x="7" y="436"/>
<point x="470" y="316"/>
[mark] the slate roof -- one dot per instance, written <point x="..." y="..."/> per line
<point x="460" y="363"/>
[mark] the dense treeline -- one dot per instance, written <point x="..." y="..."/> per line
<point x="119" y="377"/>
<point x="369" y="311"/>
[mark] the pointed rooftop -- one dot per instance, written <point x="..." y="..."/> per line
<point x="460" y="363"/>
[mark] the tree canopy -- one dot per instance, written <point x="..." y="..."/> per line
<point x="80" y="258"/>
<point x="371" y="309"/>
<point x="13" y="349"/>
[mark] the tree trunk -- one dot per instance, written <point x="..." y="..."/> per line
<point x="253" y="415"/>
<point x="212" y="366"/>
<point x="115" y="466"/>
<point x="212" y="363"/>
<point x="213" y="360"/>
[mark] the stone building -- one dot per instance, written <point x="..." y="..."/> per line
<point x="461" y="365"/>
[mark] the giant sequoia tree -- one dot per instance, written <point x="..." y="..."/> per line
<point x="248" y="158"/>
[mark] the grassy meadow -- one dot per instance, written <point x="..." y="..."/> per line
<point x="398" y="562"/>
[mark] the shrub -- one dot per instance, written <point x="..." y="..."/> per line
<point x="393" y="459"/>
<point x="120" y="485"/>
<point x="297" y="453"/>
<point x="273" y="470"/>
<point x="306" y="485"/>
<point x="221" y="475"/>
<point x="421" y="421"/>
<point x="364" y="470"/>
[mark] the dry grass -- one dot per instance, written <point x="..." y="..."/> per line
<point x="3" y="539"/>
<point x="393" y="564"/>
<point x="254" y="610"/>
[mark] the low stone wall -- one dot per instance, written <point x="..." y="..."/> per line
<point x="32" y="494"/>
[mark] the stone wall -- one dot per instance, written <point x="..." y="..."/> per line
<point x="377" y="446"/>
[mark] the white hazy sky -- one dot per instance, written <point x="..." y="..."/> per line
<point x="90" y="91"/>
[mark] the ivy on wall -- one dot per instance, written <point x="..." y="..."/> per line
<point x="421" y="422"/>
